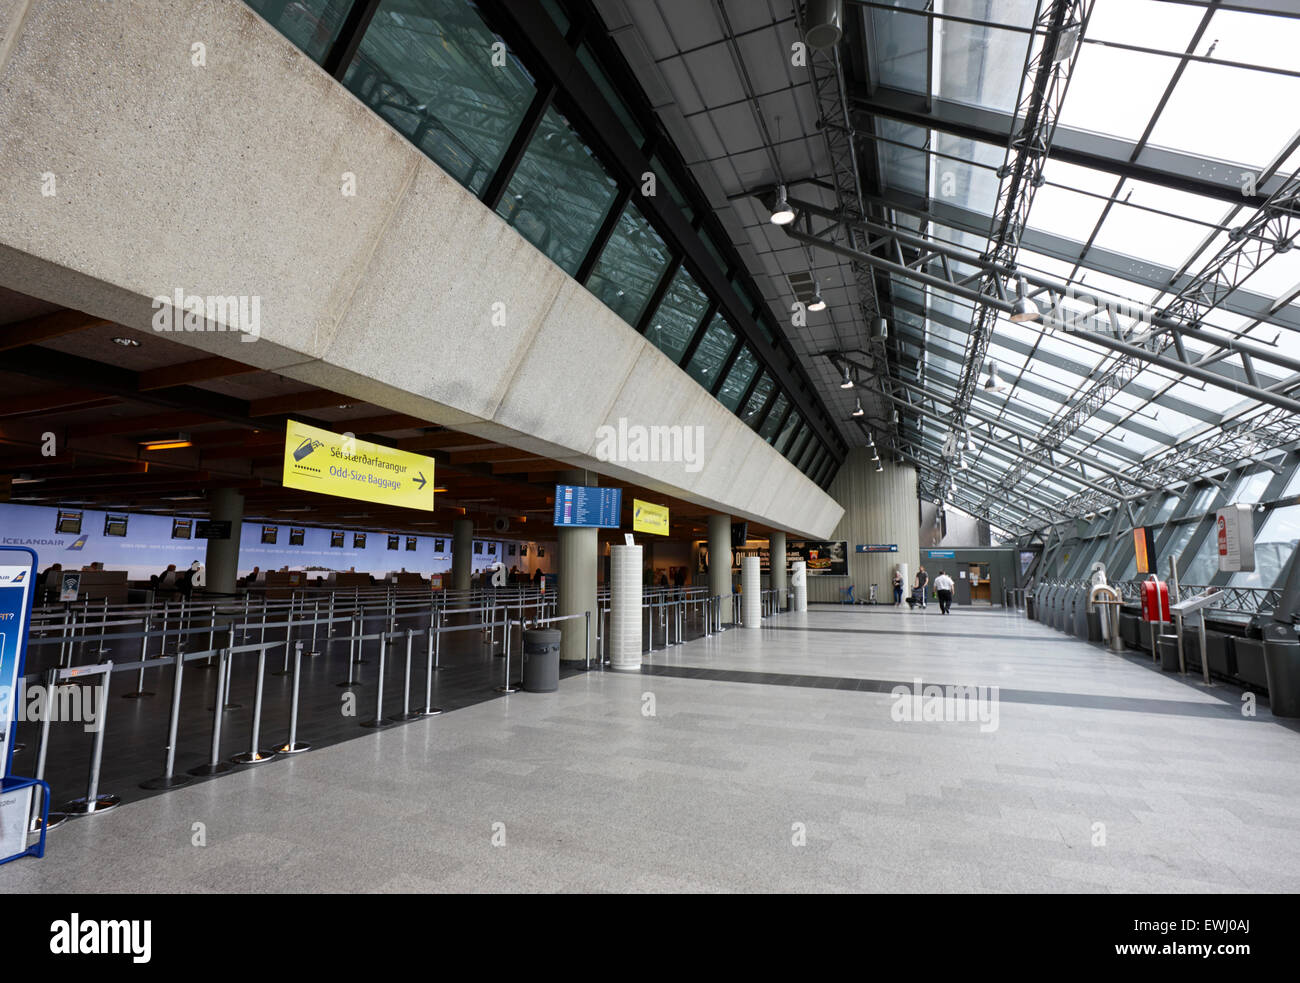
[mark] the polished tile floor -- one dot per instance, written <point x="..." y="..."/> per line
<point x="759" y="760"/>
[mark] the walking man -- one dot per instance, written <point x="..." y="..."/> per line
<point x="922" y="580"/>
<point x="943" y="587"/>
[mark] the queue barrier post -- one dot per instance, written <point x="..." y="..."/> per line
<point x="95" y="802"/>
<point x="254" y="755"/>
<point x="169" y="778"/>
<point x="50" y="820"/>
<point x="215" y="765"/>
<point x="293" y="745"/>
<point x="379" y="719"/>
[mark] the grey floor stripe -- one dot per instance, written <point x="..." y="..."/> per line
<point x="899" y="631"/>
<point x="1087" y="701"/>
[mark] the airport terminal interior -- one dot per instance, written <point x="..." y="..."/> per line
<point x="649" y="446"/>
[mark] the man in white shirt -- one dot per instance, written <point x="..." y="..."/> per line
<point x="943" y="587"/>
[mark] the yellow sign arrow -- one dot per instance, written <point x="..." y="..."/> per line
<point x="336" y="464"/>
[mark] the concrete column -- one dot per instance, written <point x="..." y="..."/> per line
<point x="720" y="562"/>
<point x="751" y="586"/>
<point x="222" y="559"/>
<point x="776" y="556"/>
<point x="462" y="553"/>
<point x="578" y="549"/>
<point x="624" y="644"/>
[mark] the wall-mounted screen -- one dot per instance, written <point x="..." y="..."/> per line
<point x="115" y="525"/>
<point x="439" y="545"/>
<point x="182" y="528"/>
<point x="411" y="542"/>
<point x="296" y="536"/>
<point x="821" y="558"/>
<point x="578" y="505"/>
<point x="358" y="540"/>
<point x="394" y="542"/>
<point x="270" y="534"/>
<point x="336" y="540"/>
<point x="212" y="529"/>
<point x="69" y="522"/>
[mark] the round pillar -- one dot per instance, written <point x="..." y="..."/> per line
<point x="624" y="643"/>
<point x="751" y="587"/>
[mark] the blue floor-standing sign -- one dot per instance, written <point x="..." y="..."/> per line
<point x="17" y="577"/>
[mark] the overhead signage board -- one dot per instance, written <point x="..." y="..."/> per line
<point x="17" y="573"/>
<point x="941" y="554"/>
<point x="335" y="464"/>
<point x="1235" y="528"/>
<point x="649" y="518"/>
<point x="578" y="505"/>
<point x="877" y="547"/>
<point x="212" y="529"/>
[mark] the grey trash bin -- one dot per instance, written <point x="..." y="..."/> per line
<point x="1167" y="646"/>
<point x="542" y="660"/>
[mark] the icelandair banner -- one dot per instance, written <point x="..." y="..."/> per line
<point x="333" y="464"/>
<point x="649" y="518"/>
<point x="17" y="571"/>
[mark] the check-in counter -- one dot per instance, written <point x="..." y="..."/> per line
<point x="281" y="584"/>
<point x="99" y="584"/>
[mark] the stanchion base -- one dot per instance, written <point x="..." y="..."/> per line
<point x="202" y="665"/>
<point x="252" y="757"/>
<point x="205" y="771"/>
<point x="378" y="723"/>
<point x="402" y="718"/>
<point x="86" y="807"/>
<point x="297" y="748"/>
<point x="310" y="655"/>
<point x="229" y="706"/>
<point x="166" y="781"/>
<point x="428" y="712"/>
<point x="346" y="685"/>
<point x="138" y="694"/>
<point x="281" y="672"/>
<point x="507" y="689"/>
<point x="55" y="820"/>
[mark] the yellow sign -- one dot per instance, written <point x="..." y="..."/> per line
<point x="333" y="464"/>
<point x="648" y="517"/>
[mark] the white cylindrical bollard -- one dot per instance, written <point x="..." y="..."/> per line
<point x="751" y="590"/>
<point x="799" y="583"/>
<point x="625" y="608"/>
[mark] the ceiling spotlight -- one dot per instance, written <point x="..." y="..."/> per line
<point x="879" y="328"/>
<point x="848" y="379"/>
<point x="961" y="462"/>
<point x="1026" y="309"/>
<point x="817" y="304"/>
<point x="871" y="440"/>
<point x="875" y="453"/>
<point x="1066" y="42"/>
<point x="825" y="24"/>
<point x="995" y="383"/>
<point x="879" y="466"/>
<point x="970" y="442"/>
<point x="782" y="213"/>
<point x="858" y="410"/>
<point x="126" y="342"/>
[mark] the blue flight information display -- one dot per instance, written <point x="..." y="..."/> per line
<point x="577" y="505"/>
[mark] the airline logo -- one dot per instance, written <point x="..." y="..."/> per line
<point x="78" y="543"/>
